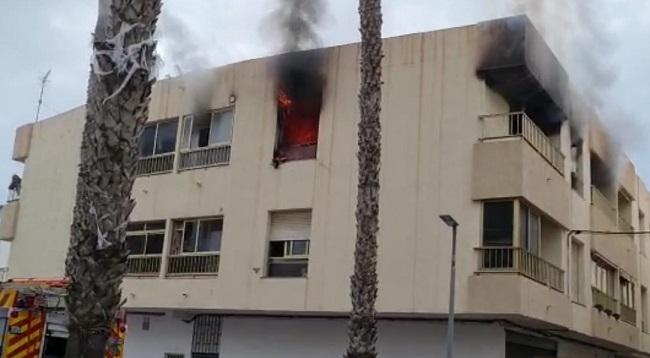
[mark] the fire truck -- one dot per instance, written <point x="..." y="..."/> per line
<point x="33" y="321"/>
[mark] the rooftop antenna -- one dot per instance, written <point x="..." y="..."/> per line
<point x="40" y="97"/>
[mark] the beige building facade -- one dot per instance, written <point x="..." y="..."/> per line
<point x="235" y="234"/>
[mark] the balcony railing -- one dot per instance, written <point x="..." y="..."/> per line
<point x="607" y="206"/>
<point x="628" y="314"/>
<point x="155" y="165"/>
<point x="517" y="260"/>
<point x="604" y="302"/>
<point x="191" y="265"/>
<point x="518" y="124"/>
<point x="143" y="265"/>
<point x="203" y="157"/>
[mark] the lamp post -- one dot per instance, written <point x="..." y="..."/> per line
<point x="447" y="219"/>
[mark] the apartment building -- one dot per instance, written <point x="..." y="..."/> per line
<point x="243" y="234"/>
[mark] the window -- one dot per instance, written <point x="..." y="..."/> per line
<point x="577" y="275"/>
<point x="644" y="309"/>
<point x="289" y="244"/>
<point x="497" y="223"/>
<point x="174" y="355"/>
<point x="602" y="276"/>
<point x="207" y="130"/>
<point x="200" y="235"/>
<point x="158" y="138"/>
<point x="627" y="293"/>
<point x="145" y="238"/>
<point x="206" y="336"/>
<point x="530" y="227"/>
<point x="642" y="238"/>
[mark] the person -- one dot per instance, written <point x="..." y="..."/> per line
<point x="15" y="186"/>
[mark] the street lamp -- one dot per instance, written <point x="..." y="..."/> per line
<point x="449" y="220"/>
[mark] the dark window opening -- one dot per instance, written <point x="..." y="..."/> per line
<point x="299" y="93"/>
<point x="498" y="223"/>
<point x="158" y="138"/>
<point x="145" y="238"/>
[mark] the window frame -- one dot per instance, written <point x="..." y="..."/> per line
<point x="513" y="234"/>
<point x="146" y="233"/>
<point x="578" y="293"/>
<point x="157" y="124"/>
<point x="198" y="221"/>
<point x="627" y="292"/>
<point x="186" y="138"/>
<point x="526" y="241"/>
<point x="601" y="269"/>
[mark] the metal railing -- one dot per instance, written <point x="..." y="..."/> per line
<point x="604" y="302"/>
<point x="518" y="124"/>
<point x="517" y="260"/>
<point x="203" y="157"/>
<point x="628" y="314"/>
<point x="155" y="165"/>
<point x="607" y="206"/>
<point x="144" y="265"/>
<point x="194" y="264"/>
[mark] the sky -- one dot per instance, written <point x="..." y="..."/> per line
<point x="608" y="52"/>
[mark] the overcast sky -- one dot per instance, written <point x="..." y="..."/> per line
<point x="37" y="35"/>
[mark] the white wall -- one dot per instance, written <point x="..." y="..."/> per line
<point x="166" y="334"/>
<point x="323" y="338"/>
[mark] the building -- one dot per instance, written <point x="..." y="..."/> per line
<point x="243" y="234"/>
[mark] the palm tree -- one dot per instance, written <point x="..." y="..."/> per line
<point x="362" y="329"/>
<point x="119" y="89"/>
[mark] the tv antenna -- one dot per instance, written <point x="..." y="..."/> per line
<point x="40" y="97"/>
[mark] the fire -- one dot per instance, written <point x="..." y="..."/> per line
<point x="299" y="97"/>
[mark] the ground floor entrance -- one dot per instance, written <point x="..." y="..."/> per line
<point x="177" y="334"/>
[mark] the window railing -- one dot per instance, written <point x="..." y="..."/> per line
<point x="155" y="165"/>
<point x="628" y="314"/>
<point x="143" y="265"/>
<point x="518" y="124"/>
<point x="604" y="302"/>
<point x="607" y="206"/>
<point x="203" y="157"/>
<point x="505" y="259"/>
<point x="193" y="264"/>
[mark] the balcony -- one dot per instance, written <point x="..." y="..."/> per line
<point x="204" y="157"/>
<point x="604" y="204"/>
<point x="604" y="302"/>
<point x="9" y="219"/>
<point x="518" y="124"/>
<point x="193" y="265"/>
<point x="144" y="265"/>
<point x="157" y="164"/>
<point x="505" y="259"/>
<point x="628" y="314"/>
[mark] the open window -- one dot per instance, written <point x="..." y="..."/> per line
<point x="289" y="240"/>
<point x="207" y="130"/>
<point x="202" y="235"/>
<point x="206" y="138"/>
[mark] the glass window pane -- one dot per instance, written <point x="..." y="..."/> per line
<point x="497" y="223"/>
<point x="533" y="235"/>
<point x="137" y="226"/>
<point x="187" y="132"/>
<point x="276" y="248"/>
<point x="155" y="244"/>
<point x="299" y="247"/>
<point x="166" y="139"/>
<point x="189" y="237"/>
<point x="221" y="127"/>
<point x="146" y="141"/>
<point x="135" y="244"/>
<point x="210" y="235"/>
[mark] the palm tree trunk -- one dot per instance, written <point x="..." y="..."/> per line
<point x="362" y="329"/>
<point x="118" y="98"/>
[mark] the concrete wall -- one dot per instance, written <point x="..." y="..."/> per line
<point x="166" y="334"/>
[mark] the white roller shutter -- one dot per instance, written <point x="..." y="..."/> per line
<point x="290" y="225"/>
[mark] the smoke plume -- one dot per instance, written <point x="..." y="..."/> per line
<point x="294" y="23"/>
<point x="182" y="50"/>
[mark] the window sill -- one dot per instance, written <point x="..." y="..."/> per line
<point x="192" y="276"/>
<point x="203" y="167"/>
<point x="153" y="174"/>
<point x="283" y="277"/>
